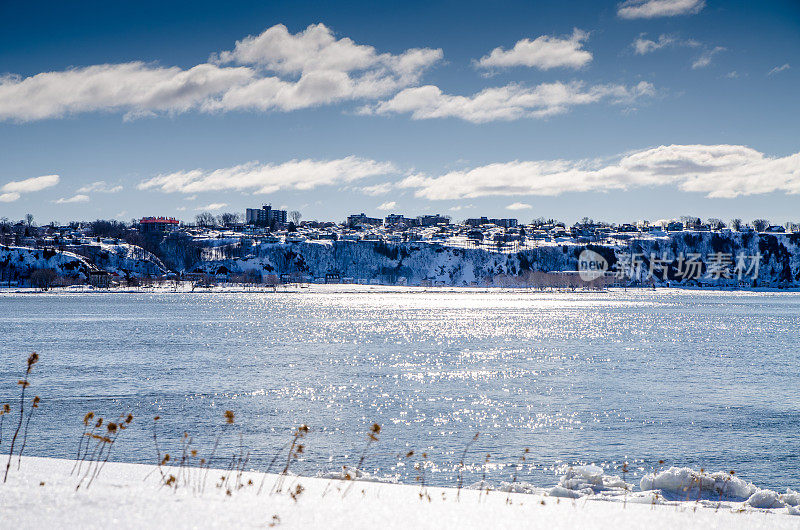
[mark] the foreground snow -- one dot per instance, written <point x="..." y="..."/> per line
<point x="41" y="494"/>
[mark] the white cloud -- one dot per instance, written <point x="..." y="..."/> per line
<point x="642" y="45"/>
<point x="544" y="52"/>
<point x="777" y="69"/>
<point x="706" y="57"/>
<point x="212" y="207"/>
<point x="377" y="189"/>
<point x="134" y="87"/>
<point x="100" y="186"/>
<point x="719" y="171"/>
<point x="31" y="184"/>
<point x="313" y="68"/>
<point x="390" y="205"/>
<point x="13" y="190"/>
<point x="519" y="206"/>
<point x="75" y="198"/>
<point x="268" y="178"/>
<point x="658" y="8"/>
<point x="510" y="102"/>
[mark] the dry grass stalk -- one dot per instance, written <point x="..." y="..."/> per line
<point x="34" y="406"/>
<point x="6" y="409"/>
<point x="295" y="450"/>
<point x="372" y="437"/>
<point x="516" y="470"/>
<point x="32" y="359"/>
<point x="461" y="465"/>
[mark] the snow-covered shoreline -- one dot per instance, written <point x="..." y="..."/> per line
<point x="355" y="288"/>
<point x="42" y="494"/>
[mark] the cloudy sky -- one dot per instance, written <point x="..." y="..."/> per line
<point x="640" y="109"/>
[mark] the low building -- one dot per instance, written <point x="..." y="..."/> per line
<point x="433" y="220"/>
<point x="361" y="220"/>
<point x="100" y="279"/>
<point x="479" y="221"/>
<point x="397" y="219"/>
<point x="154" y="225"/>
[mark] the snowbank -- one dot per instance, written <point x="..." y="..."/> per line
<point x="683" y="483"/>
<point x="42" y="494"/>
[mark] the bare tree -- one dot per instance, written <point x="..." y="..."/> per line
<point x="29" y="219"/>
<point x="760" y="224"/>
<point x="715" y="224"/>
<point x="736" y="224"/>
<point x="43" y="278"/>
<point x="205" y="219"/>
<point x="690" y="221"/>
<point x="295" y="217"/>
<point x="228" y="219"/>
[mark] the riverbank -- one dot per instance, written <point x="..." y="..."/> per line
<point x="357" y="288"/>
<point x="41" y="494"/>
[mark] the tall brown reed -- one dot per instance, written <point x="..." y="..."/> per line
<point x="32" y="359"/>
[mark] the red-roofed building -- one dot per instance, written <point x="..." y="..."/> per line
<point x="151" y="225"/>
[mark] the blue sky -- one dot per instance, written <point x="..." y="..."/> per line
<point x="644" y="109"/>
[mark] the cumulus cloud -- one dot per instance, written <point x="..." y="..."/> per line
<point x="100" y="186"/>
<point x="719" y="171"/>
<point x="706" y="57"/>
<point x="9" y="197"/>
<point x="310" y="68"/>
<point x="642" y="45"/>
<point x="518" y="206"/>
<point x="75" y="198"/>
<point x="390" y="205"/>
<point x="779" y="69"/>
<point x="544" y="52"/>
<point x="658" y="8"/>
<point x="268" y="178"/>
<point x="510" y="102"/>
<point x="134" y="87"/>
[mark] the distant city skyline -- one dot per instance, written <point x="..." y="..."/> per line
<point x="616" y="111"/>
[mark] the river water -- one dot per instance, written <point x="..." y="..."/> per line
<point x="701" y="379"/>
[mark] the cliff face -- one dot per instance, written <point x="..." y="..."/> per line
<point x="123" y="259"/>
<point x="415" y="263"/>
<point x="779" y="263"/>
<point x="20" y="262"/>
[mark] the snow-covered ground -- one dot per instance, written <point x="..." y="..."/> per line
<point x="42" y="494"/>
